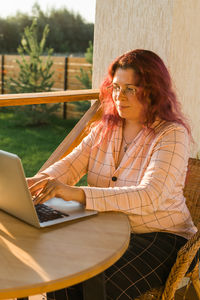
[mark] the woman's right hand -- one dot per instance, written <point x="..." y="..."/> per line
<point x="35" y="179"/>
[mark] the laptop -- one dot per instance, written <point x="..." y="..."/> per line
<point x="16" y="200"/>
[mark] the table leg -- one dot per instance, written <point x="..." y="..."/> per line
<point x="94" y="288"/>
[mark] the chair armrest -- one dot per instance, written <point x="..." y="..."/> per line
<point x="181" y="266"/>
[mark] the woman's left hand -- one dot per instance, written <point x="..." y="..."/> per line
<point x="51" y="187"/>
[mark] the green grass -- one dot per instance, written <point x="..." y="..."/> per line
<point x="35" y="144"/>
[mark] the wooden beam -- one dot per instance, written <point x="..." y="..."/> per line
<point x="50" y="97"/>
<point x="75" y="136"/>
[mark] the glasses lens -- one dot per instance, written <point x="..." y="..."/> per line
<point x="127" y="91"/>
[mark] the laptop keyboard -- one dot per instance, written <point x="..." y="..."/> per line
<point x="46" y="213"/>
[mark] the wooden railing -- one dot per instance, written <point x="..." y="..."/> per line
<point x="50" y="97"/>
<point x="78" y="132"/>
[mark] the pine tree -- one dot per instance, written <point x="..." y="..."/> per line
<point x="35" y="73"/>
<point x="85" y="76"/>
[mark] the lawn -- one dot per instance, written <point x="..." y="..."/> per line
<point x="33" y="144"/>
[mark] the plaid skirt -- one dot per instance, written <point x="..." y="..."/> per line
<point x="145" y="265"/>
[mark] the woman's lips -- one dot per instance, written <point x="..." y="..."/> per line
<point x="122" y="107"/>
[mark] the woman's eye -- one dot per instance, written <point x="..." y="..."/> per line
<point x="129" y="90"/>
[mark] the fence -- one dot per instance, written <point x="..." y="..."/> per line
<point x="65" y="71"/>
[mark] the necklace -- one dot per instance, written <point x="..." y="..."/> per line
<point x="126" y="144"/>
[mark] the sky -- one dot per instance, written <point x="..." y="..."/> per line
<point x="86" y="8"/>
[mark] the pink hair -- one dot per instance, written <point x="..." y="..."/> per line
<point x="157" y="96"/>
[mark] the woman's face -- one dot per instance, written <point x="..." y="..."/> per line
<point x="124" y="94"/>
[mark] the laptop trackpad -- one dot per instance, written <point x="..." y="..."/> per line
<point x="64" y="206"/>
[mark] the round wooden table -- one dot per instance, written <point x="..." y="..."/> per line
<point x="34" y="261"/>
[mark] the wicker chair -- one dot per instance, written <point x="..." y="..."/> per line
<point x="189" y="250"/>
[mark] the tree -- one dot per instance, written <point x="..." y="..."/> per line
<point x="85" y="77"/>
<point x="35" y="73"/>
<point x="69" y="33"/>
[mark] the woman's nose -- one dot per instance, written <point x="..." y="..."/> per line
<point x="121" y="95"/>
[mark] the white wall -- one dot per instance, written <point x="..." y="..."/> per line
<point x="171" y="28"/>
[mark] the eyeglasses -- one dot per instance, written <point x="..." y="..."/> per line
<point x="128" y="91"/>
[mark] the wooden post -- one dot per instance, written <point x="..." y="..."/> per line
<point x="2" y="74"/>
<point x="65" y="87"/>
<point x="74" y="137"/>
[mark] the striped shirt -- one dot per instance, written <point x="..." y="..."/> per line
<point x="148" y="183"/>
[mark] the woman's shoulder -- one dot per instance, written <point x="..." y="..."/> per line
<point x="170" y="133"/>
<point x="162" y="126"/>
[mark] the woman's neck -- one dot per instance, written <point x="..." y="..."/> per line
<point x="131" y="129"/>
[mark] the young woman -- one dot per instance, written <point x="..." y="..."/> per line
<point x="136" y="160"/>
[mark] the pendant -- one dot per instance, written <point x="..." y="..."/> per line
<point x="125" y="148"/>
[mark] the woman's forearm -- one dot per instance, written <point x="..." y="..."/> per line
<point x="76" y="194"/>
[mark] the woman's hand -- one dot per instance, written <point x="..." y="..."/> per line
<point x="34" y="179"/>
<point x="49" y="187"/>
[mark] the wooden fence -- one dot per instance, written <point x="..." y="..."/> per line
<point x="65" y="71"/>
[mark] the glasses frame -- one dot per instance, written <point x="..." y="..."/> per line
<point x="128" y="91"/>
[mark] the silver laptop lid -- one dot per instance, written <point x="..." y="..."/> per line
<point x="15" y="197"/>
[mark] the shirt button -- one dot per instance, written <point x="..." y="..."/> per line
<point x="114" y="178"/>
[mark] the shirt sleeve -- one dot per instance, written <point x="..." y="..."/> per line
<point x="74" y="166"/>
<point x="167" y="164"/>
